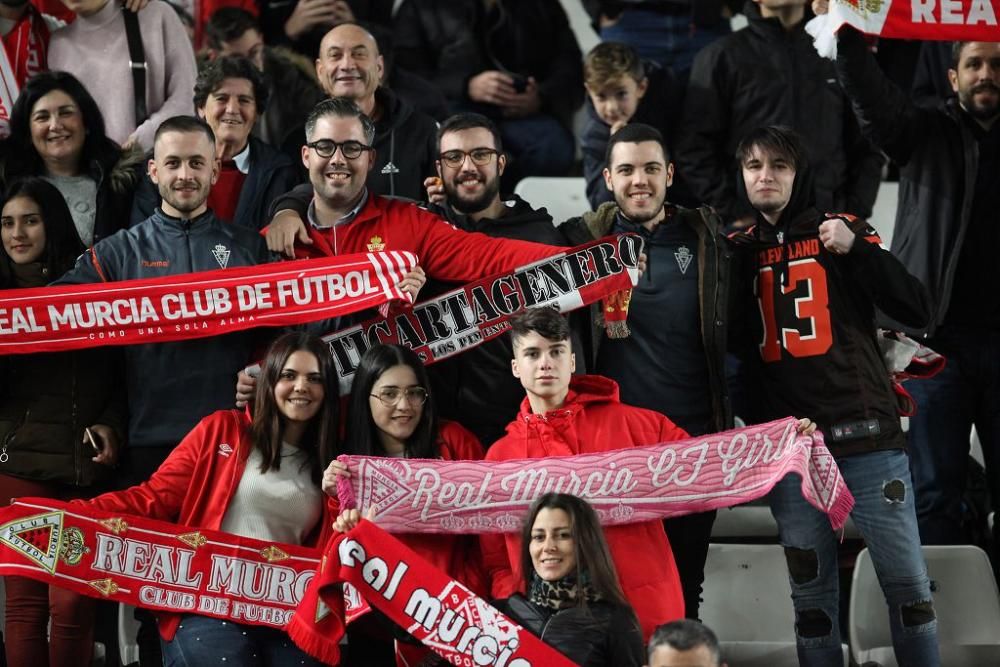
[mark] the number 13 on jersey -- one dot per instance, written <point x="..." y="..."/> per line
<point x="806" y="294"/>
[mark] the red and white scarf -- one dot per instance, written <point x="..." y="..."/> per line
<point x="25" y="54"/>
<point x="948" y="20"/>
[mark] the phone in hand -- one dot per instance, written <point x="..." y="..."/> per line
<point x="520" y="83"/>
<point x="91" y="439"/>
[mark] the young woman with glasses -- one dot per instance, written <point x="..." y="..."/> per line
<point x="391" y="413"/>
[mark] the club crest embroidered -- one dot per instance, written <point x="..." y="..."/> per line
<point x="683" y="257"/>
<point x="390" y="168"/>
<point x="221" y="254"/>
<point x="375" y="244"/>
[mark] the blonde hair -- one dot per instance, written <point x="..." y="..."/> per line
<point x="609" y="61"/>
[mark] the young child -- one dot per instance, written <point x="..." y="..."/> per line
<point x="621" y="88"/>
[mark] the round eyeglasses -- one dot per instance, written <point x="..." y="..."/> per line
<point x="350" y="149"/>
<point x="390" y="396"/>
<point x="480" y="157"/>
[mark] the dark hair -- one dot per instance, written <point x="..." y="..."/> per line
<point x="609" y="61"/>
<point x="684" y="635"/>
<point x="230" y="67"/>
<point x="956" y="52"/>
<point x="362" y="433"/>
<point x="184" y="124"/>
<point x="469" y="121"/>
<point x="268" y="427"/>
<point x="593" y="557"/>
<point x="544" y="321"/>
<point x="227" y="24"/>
<point x="22" y="159"/>
<point x="62" y="242"/>
<point x="776" y="140"/>
<point x="341" y="107"/>
<point x="635" y="133"/>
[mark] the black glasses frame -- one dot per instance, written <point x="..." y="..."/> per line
<point x="480" y="157"/>
<point x="350" y="149"/>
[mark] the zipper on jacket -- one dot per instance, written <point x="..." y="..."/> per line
<point x="9" y="438"/>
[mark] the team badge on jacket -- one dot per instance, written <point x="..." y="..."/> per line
<point x="375" y="244"/>
<point x="221" y="254"/>
<point x="683" y="257"/>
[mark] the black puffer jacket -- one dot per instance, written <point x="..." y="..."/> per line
<point x="938" y="157"/>
<point x="765" y="75"/>
<point x="450" y="42"/>
<point x="47" y="399"/>
<point x="600" y="635"/>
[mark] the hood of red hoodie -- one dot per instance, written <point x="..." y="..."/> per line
<point x="583" y="390"/>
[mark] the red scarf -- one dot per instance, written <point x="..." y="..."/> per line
<point x="25" y="54"/>
<point x="440" y="612"/>
<point x="196" y="305"/>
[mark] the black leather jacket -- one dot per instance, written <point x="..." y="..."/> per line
<point x="598" y="635"/>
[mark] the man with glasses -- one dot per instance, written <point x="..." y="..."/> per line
<point x="344" y="217"/>
<point x="467" y="192"/>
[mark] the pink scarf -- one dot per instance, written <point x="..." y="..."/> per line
<point x="624" y="486"/>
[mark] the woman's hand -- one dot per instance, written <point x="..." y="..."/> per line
<point x="335" y="470"/>
<point x="107" y="442"/>
<point x="350" y="518"/>
<point x="806" y="426"/>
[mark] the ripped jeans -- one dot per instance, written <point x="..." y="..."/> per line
<point x="884" y="514"/>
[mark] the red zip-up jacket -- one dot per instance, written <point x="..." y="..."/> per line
<point x="194" y="485"/>
<point x="593" y="420"/>
<point x="444" y="252"/>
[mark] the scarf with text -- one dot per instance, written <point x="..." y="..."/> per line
<point x="23" y="56"/>
<point x="439" y="611"/>
<point x="948" y="20"/>
<point x="156" y="565"/>
<point x="478" y="312"/>
<point x="624" y="486"/>
<point x="197" y="305"/>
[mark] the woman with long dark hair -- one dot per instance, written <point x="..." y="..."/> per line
<point x="574" y="601"/>
<point x="267" y="489"/>
<point x="62" y="416"/>
<point x="57" y="132"/>
<point x="392" y="413"/>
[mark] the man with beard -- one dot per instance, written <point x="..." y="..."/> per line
<point x="345" y="217"/>
<point x="809" y="284"/>
<point x="672" y="361"/>
<point x="470" y="163"/>
<point x="946" y="234"/>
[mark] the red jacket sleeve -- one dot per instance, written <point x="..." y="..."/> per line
<point x="163" y="494"/>
<point x="670" y="431"/>
<point x="458" y="443"/>
<point x="450" y="254"/>
<point x="499" y="573"/>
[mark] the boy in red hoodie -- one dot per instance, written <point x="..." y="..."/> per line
<point x="564" y="416"/>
